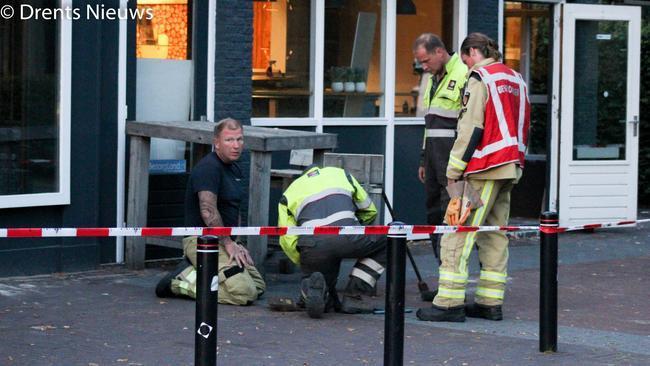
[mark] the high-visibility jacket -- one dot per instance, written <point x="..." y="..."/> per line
<point x="507" y="119"/>
<point x="443" y="107"/>
<point x="320" y="197"/>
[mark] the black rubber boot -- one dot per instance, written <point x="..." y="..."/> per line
<point x="314" y="291"/>
<point x="357" y="303"/>
<point x="436" y="314"/>
<point x="164" y="287"/>
<point x="358" y="297"/>
<point x="356" y="285"/>
<point x="484" y="311"/>
<point x="333" y="302"/>
<point x="428" y="296"/>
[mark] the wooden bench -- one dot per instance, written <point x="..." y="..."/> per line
<point x="260" y="141"/>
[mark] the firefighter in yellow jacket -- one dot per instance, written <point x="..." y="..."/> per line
<point x="489" y="154"/>
<point x="442" y="105"/>
<point x="331" y="197"/>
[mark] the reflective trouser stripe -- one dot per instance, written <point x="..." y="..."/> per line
<point x="453" y="277"/>
<point x="479" y="216"/>
<point x="189" y="276"/>
<point x="372" y="264"/>
<point x="451" y="293"/>
<point x="185" y="283"/>
<point x="490" y="293"/>
<point x="185" y="288"/>
<point x="494" y="276"/>
<point x="363" y="276"/>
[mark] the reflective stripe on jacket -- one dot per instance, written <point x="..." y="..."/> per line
<point x="507" y="119"/>
<point x="320" y="197"/>
<point x="443" y="108"/>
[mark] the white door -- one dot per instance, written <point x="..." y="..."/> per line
<point x="599" y="113"/>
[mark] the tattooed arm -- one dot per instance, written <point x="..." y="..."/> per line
<point x="212" y="218"/>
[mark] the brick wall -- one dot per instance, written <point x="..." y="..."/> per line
<point x="234" y="39"/>
<point x="483" y="16"/>
<point x="233" y="88"/>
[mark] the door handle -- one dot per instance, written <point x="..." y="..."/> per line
<point x="635" y="122"/>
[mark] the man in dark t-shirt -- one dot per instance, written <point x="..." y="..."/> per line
<point x="224" y="180"/>
<point x="212" y="199"/>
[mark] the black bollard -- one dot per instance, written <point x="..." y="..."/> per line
<point x="207" y="286"/>
<point x="548" y="283"/>
<point x="394" y="318"/>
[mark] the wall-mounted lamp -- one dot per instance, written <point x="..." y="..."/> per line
<point x="405" y="7"/>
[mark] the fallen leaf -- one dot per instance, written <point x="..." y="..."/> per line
<point x="42" y="327"/>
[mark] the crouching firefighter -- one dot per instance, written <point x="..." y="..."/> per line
<point x="331" y="197"/>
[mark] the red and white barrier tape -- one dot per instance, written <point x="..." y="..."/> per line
<point x="278" y="231"/>
<point x="551" y="230"/>
<point x="251" y="231"/>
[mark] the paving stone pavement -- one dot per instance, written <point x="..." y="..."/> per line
<point x="112" y="317"/>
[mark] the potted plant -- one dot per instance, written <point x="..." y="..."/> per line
<point x="349" y="80"/>
<point x="359" y="80"/>
<point x="337" y="76"/>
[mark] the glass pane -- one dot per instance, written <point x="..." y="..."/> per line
<point x="599" y="117"/>
<point x="167" y="34"/>
<point x="353" y="85"/>
<point x="281" y="58"/>
<point x="537" y="134"/>
<point x="540" y="51"/>
<point x="512" y="36"/>
<point x="29" y="128"/>
<point x="430" y="16"/>
<point x="527" y="34"/>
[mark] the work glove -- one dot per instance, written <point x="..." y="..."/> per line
<point x="464" y="199"/>
<point x="452" y="215"/>
<point x="471" y="200"/>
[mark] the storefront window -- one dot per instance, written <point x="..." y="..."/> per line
<point x="281" y="58"/>
<point x="165" y="35"/>
<point x="434" y="16"/>
<point x="29" y="113"/>
<point x="526" y="49"/>
<point x="353" y="82"/>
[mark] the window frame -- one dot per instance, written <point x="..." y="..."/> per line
<point x="317" y="76"/>
<point x="387" y="72"/>
<point x="386" y="116"/>
<point x="62" y="196"/>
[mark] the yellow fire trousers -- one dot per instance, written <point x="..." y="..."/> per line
<point x="241" y="288"/>
<point x="492" y="249"/>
